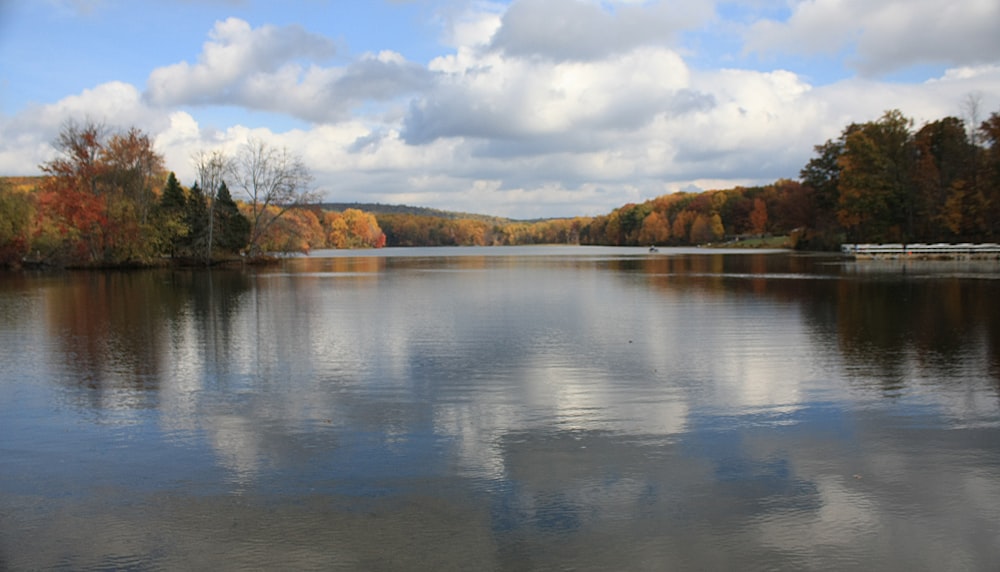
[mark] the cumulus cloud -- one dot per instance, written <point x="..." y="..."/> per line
<point x="495" y="96"/>
<point x="234" y="53"/>
<point x="885" y="35"/>
<point x="565" y="30"/>
<point x="27" y="135"/>
<point x="381" y="77"/>
<point x="278" y="69"/>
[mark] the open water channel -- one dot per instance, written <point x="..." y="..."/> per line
<point x="535" y="408"/>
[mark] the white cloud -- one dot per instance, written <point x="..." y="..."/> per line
<point x="275" y="69"/>
<point x="883" y="36"/>
<point x="577" y="30"/>
<point x="989" y="73"/>
<point x="473" y="27"/>
<point x="109" y="102"/>
<point x="234" y="53"/>
<point x="497" y="97"/>
<point x="27" y="135"/>
<point x="503" y="124"/>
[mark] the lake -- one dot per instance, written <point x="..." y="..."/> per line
<point x="523" y="408"/>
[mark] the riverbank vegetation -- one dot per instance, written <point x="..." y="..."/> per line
<point x="107" y="199"/>
<point x="880" y="181"/>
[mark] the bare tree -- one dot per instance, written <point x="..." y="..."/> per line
<point x="273" y="180"/>
<point x="212" y="170"/>
<point x="972" y="106"/>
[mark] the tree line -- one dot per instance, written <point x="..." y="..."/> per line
<point x="879" y="181"/>
<point x="107" y="199"/>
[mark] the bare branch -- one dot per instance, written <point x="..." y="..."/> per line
<point x="212" y="170"/>
<point x="273" y="180"/>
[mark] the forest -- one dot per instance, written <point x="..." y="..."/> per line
<point x="107" y="199"/>
<point x="879" y="181"/>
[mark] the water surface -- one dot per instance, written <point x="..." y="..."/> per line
<point x="506" y="409"/>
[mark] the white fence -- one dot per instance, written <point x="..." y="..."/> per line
<point x="939" y="250"/>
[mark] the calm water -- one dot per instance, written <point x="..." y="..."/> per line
<point x="504" y="409"/>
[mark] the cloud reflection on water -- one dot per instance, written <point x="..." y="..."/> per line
<point x="684" y="408"/>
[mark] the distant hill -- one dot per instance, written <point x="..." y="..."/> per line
<point x="379" y="208"/>
<point x="28" y="183"/>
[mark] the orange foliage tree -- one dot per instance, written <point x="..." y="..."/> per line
<point x="289" y="230"/>
<point x="655" y="229"/>
<point x="758" y="217"/>
<point x="352" y="229"/>
<point x="94" y="205"/>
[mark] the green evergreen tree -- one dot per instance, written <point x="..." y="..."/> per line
<point x="195" y="217"/>
<point x="231" y="227"/>
<point x="172" y="228"/>
<point x="173" y="198"/>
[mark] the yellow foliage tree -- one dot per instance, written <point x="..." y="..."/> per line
<point x="655" y="229"/>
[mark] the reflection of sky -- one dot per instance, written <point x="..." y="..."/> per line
<point x="688" y="419"/>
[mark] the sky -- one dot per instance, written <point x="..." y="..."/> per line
<point x="523" y="109"/>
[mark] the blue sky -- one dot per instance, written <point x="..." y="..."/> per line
<point x="524" y="108"/>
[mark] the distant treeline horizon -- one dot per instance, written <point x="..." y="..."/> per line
<point x="879" y="181"/>
<point x="108" y="200"/>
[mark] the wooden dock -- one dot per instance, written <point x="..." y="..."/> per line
<point x="939" y="251"/>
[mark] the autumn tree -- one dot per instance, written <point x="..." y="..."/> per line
<point x="401" y="229"/>
<point x="613" y="233"/>
<point x="596" y="231"/>
<point x="943" y="178"/>
<point x="99" y="194"/>
<point x="758" y="217"/>
<point x="70" y="198"/>
<point x="655" y="229"/>
<point x="133" y="173"/>
<point x="296" y="230"/>
<point x="133" y="170"/>
<point x="792" y="206"/>
<point x="876" y="193"/>
<point x="990" y="177"/>
<point x="78" y="163"/>
<point x="466" y="232"/>
<point x="735" y="212"/>
<point x="680" y="228"/>
<point x="706" y="228"/>
<point x="354" y="228"/>
<point x="16" y="214"/>
<point x="269" y="177"/>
